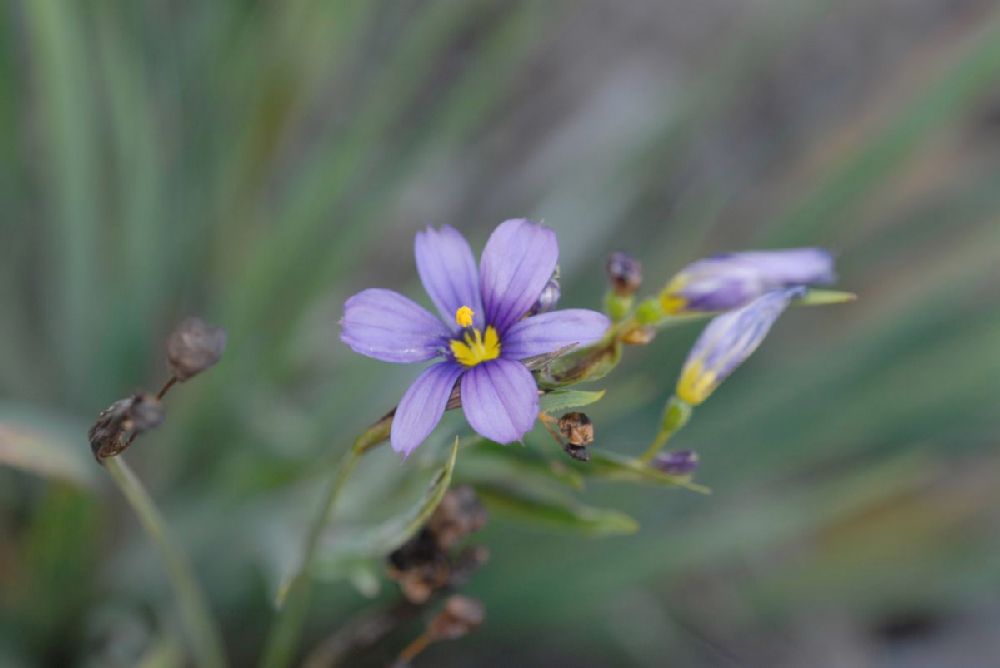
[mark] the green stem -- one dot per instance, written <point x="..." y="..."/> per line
<point x="283" y="638"/>
<point x="205" y="639"/>
<point x="675" y="415"/>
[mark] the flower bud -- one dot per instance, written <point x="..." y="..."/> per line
<point x="193" y="347"/>
<point x="549" y="298"/>
<point x="728" y="340"/>
<point x="118" y="424"/>
<point x="678" y="462"/>
<point x="733" y="280"/>
<point x="460" y="616"/>
<point x="624" y="273"/>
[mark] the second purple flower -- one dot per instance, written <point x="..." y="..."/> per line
<point x="482" y="334"/>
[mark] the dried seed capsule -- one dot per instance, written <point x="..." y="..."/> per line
<point x="118" y="424"/>
<point x="459" y="514"/>
<point x="193" y="347"/>
<point x="577" y="429"/>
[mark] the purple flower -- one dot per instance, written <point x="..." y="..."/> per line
<point x="732" y="280"/>
<point x="728" y="340"/>
<point x="482" y="335"/>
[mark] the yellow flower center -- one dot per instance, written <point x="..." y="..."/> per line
<point x="695" y="383"/>
<point x="475" y="347"/>
<point x="463" y="316"/>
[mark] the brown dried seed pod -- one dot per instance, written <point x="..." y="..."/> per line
<point x="193" y="347"/>
<point x="459" y="514"/>
<point x="118" y="424"/>
<point x="460" y="615"/>
<point x="577" y="429"/>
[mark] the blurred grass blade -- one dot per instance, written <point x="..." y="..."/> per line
<point x="68" y="134"/>
<point x="40" y="454"/>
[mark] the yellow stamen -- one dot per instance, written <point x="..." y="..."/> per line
<point x="477" y="348"/>
<point x="463" y="316"/>
<point x="695" y="383"/>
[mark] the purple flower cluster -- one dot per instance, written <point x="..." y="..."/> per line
<point x="482" y="335"/>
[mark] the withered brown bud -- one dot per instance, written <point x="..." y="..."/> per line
<point x="459" y="514"/>
<point x="193" y="347"/>
<point x="460" y="616"/>
<point x="638" y="336"/>
<point x="624" y="273"/>
<point x="577" y="429"/>
<point x="118" y="424"/>
<point x="425" y="564"/>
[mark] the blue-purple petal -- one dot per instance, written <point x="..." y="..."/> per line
<point x="517" y="262"/>
<point x="730" y="338"/>
<point x="500" y="400"/>
<point x="422" y="406"/>
<point x="387" y="326"/>
<point x="448" y="271"/>
<point x="548" y="332"/>
<point x="731" y="280"/>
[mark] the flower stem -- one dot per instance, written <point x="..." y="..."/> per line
<point x="675" y="415"/>
<point x="204" y="635"/>
<point x="283" y="638"/>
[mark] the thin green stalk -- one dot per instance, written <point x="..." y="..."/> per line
<point x="675" y="415"/>
<point x="284" y="636"/>
<point x="205" y="639"/>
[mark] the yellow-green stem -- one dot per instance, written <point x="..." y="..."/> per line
<point x="206" y="642"/>
<point x="675" y="415"/>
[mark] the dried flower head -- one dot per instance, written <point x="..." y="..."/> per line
<point x="193" y="347"/>
<point x="577" y="429"/>
<point x="624" y="273"/>
<point x="459" y="514"/>
<point x="118" y="424"/>
<point x="460" y="616"/>
<point x="425" y="563"/>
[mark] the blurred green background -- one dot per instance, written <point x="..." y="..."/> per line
<point x="257" y="162"/>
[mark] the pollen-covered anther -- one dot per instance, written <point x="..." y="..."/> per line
<point x="463" y="316"/>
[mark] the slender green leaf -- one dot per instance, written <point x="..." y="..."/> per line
<point x="346" y="547"/>
<point x="612" y="466"/>
<point x="557" y="512"/>
<point x="559" y="400"/>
